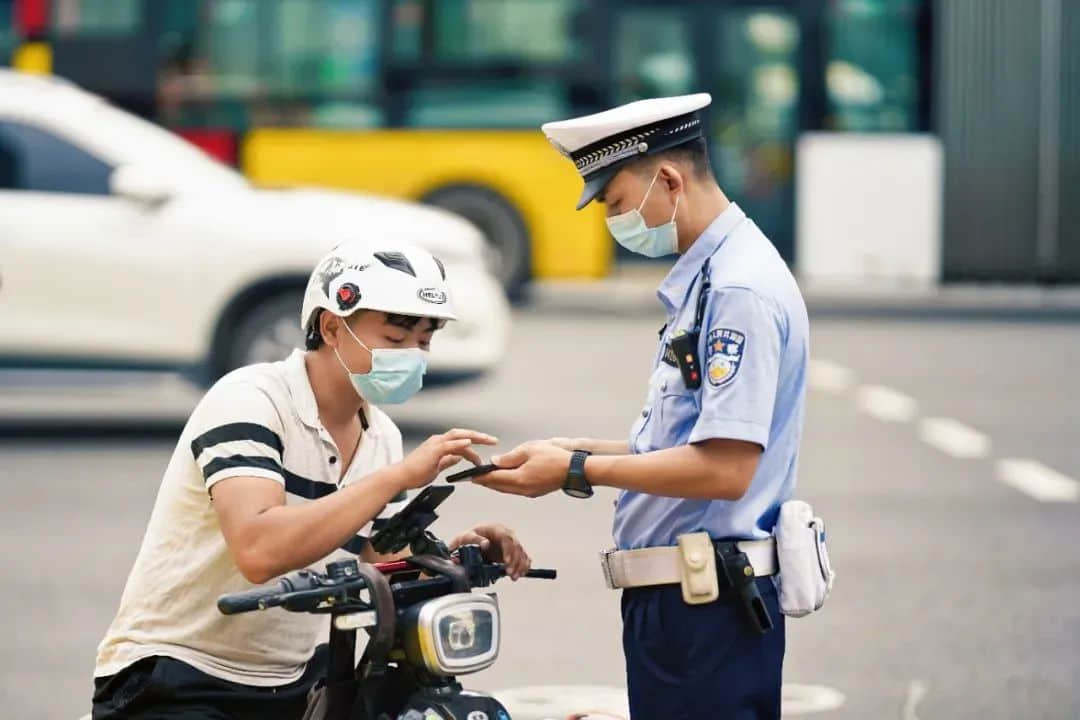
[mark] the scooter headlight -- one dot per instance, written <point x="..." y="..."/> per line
<point x="453" y="635"/>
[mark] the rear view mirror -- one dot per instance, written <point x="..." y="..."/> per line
<point x="140" y="183"/>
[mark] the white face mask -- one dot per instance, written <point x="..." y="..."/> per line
<point x="630" y="231"/>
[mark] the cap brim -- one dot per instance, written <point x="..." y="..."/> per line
<point x="595" y="185"/>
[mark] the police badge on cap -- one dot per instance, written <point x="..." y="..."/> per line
<point x="602" y="143"/>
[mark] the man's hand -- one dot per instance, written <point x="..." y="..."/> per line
<point x="440" y="452"/>
<point x="499" y="544"/>
<point x="532" y="470"/>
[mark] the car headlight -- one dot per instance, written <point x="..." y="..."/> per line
<point x="453" y="635"/>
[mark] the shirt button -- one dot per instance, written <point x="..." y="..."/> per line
<point x="645" y="412"/>
<point x="333" y="459"/>
<point x="663" y="386"/>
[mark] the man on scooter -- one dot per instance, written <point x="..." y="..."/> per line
<point x="282" y="466"/>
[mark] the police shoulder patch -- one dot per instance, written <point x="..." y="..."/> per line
<point x="724" y="350"/>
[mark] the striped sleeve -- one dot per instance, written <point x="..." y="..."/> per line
<point x="237" y="434"/>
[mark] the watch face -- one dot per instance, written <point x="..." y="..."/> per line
<point x="577" y="492"/>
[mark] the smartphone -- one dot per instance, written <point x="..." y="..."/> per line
<point x="471" y="473"/>
<point x="428" y="499"/>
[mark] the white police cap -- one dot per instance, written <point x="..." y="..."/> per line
<point x="601" y="143"/>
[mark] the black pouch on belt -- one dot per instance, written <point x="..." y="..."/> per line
<point x="735" y="567"/>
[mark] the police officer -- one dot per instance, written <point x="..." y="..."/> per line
<point x="714" y="452"/>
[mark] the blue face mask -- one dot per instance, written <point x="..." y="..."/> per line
<point x="396" y="374"/>
<point x="630" y="231"/>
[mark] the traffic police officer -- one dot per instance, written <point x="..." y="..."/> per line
<point x="713" y="454"/>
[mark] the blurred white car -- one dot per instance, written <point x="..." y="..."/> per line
<point x="123" y="246"/>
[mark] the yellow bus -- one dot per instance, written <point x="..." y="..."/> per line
<point x="440" y="100"/>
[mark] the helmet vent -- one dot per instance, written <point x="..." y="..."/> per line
<point x="442" y="268"/>
<point x="396" y="261"/>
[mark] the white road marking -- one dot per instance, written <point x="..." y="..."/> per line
<point x="540" y="702"/>
<point x="885" y="404"/>
<point x="953" y="437"/>
<point x="808" y="699"/>
<point x="1033" y="478"/>
<point x="544" y="702"/>
<point x="915" y="694"/>
<point x="827" y="376"/>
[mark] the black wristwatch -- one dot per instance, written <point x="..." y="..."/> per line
<point x="576" y="486"/>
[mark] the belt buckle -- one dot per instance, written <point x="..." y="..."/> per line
<point x="605" y="565"/>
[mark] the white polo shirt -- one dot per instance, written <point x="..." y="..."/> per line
<point x="259" y="421"/>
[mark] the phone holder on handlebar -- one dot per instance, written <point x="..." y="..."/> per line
<point x="409" y="528"/>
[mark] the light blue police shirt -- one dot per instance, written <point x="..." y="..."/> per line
<point x="753" y="351"/>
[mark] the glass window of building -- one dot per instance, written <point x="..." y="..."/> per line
<point x="871" y="74"/>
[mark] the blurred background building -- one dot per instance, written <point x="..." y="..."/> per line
<point x="440" y="100"/>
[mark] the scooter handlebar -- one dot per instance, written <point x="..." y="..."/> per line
<point x="254" y="599"/>
<point x="266" y="596"/>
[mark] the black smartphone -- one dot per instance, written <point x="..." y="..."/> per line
<point x="471" y="473"/>
<point x="429" y="498"/>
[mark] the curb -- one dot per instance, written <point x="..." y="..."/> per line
<point x="629" y="297"/>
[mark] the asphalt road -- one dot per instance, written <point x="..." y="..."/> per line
<point x="956" y="594"/>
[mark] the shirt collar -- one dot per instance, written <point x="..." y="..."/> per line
<point x="672" y="291"/>
<point x="303" y="396"/>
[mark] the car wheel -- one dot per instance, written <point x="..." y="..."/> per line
<point x="508" y="252"/>
<point x="266" y="332"/>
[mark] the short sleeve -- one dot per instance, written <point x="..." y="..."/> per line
<point x="741" y="343"/>
<point x="236" y="432"/>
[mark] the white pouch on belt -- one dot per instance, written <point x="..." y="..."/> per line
<point x="806" y="577"/>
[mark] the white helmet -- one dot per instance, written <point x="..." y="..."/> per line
<point x="399" y="279"/>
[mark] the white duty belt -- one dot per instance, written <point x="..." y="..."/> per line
<point x="662" y="565"/>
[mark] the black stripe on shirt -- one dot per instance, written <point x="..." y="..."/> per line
<point x="239" y="461"/>
<point x="237" y="431"/>
<point x="295" y="484"/>
<point x="310" y="489"/>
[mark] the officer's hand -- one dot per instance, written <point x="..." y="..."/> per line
<point x="499" y="544"/>
<point x="568" y="444"/>
<point x="533" y="469"/>
<point x="440" y="452"/>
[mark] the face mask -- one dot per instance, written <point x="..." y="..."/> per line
<point x="396" y="374"/>
<point x="630" y="231"/>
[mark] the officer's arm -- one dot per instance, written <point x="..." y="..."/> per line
<point x="592" y="445"/>
<point x="715" y="469"/>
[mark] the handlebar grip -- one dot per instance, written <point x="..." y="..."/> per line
<point x="541" y="574"/>
<point x="249" y="600"/>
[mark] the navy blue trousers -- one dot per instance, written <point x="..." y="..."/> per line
<point x="700" y="662"/>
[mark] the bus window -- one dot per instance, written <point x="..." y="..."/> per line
<point x="652" y="55"/>
<point x="276" y="62"/>
<point x="487" y="103"/>
<point x="534" y="30"/>
<point x="96" y="17"/>
<point x="7" y="32"/>
<point x="871" y="75"/>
